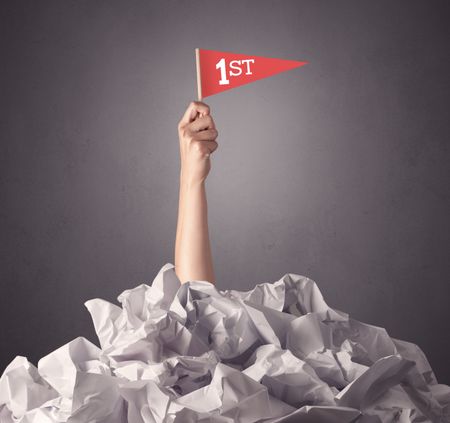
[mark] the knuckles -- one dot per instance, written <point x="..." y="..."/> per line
<point x="209" y="120"/>
<point x="199" y="104"/>
<point x="214" y="133"/>
<point x="195" y="136"/>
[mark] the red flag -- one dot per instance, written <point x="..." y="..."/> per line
<point x="219" y="71"/>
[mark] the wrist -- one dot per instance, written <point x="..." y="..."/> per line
<point x="188" y="181"/>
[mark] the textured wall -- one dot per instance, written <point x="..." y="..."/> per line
<point x="337" y="170"/>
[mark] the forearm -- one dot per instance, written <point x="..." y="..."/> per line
<point x="179" y="221"/>
<point x="193" y="258"/>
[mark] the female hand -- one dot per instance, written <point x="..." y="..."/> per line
<point x="197" y="134"/>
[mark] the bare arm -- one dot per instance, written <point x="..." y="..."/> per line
<point x="197" y="136"/>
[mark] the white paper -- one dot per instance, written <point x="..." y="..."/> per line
<point x="173" y="353"/>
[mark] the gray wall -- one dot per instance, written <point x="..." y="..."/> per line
<point x="337" y="170"/>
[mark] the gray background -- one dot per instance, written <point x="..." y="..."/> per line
<point x="337" y="170"/>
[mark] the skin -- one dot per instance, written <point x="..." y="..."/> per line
<point x="197" y="136"/>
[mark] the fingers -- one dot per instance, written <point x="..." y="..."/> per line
<point x="206" y="148"/>
<point x="194" y="108"/>
<point x="198" y="132"/>
<point x="211" y="146"/>
<point x="205" y="122"/>
<point x="206" y="135"/>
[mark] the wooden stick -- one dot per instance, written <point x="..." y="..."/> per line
<point x="199" y="76"/>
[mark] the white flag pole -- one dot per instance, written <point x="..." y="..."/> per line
<point x="199" y="75"/>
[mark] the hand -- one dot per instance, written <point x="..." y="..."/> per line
<point x="197" y="134"/>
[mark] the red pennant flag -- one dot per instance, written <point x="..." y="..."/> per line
<point x="219" y="71"/>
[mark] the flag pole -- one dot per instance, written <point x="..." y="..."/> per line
<point x="199" y="75"/>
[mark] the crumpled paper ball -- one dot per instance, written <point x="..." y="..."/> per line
<point x="182" y="353"/>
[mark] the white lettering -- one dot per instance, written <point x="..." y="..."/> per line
<point x="223" y="73"/>
<point x="247" y="62"/>
<point x="232" y="66"/>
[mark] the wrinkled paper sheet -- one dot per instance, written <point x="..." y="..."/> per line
<point x="191" y="353"/>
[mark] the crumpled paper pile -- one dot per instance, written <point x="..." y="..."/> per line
<point x="189" y="352"/>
